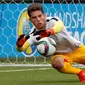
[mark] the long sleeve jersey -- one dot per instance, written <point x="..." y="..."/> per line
<point x="64" y="42"/>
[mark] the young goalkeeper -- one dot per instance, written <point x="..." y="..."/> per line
<point x="68" y="49"/>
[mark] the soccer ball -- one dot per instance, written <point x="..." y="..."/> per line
<point x="46" y="46"/>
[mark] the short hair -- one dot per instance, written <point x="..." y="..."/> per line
<point x="34" y="7"/>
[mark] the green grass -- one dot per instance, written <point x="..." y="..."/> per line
<point x="36" y="77"/>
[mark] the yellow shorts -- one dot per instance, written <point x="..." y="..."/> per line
<point x="78" y="55"/>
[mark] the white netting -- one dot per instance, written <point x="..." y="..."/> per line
<point x="71" y="13"/>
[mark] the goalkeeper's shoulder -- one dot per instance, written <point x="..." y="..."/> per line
<point x="53" y="19"/>
<point x="56" y="24"/>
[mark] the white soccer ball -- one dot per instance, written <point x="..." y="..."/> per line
<point x="46" y="46"/>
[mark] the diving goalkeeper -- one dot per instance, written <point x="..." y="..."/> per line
<point x="68" y="49"/>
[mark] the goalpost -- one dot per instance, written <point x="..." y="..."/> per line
<point x="13" y="14"/>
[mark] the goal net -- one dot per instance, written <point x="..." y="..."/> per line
<point x="14" y="21"/>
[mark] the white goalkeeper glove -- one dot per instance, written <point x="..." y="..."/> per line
<point x="34" y="39"/>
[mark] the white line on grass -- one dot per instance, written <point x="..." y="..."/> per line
<point x="24" y="70"/>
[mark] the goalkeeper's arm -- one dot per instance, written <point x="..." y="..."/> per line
<point x="58" y="27"/>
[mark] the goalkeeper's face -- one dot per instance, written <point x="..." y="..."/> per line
<point x="38" y="19"/>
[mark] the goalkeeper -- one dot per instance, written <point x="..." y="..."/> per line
<point x="68" y="49"/>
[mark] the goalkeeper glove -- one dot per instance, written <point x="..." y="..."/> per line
<point x="44" y="33"/>
<point x="31" y="39"/>
<point x="21" y="40"/>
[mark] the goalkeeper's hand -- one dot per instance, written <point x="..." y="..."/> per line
<point x="34" y="37"/>
<point x="44" y="33"/>
<point x="21" y="40"/>
<point x="31" y="39"/>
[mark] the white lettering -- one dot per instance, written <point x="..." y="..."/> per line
<point x="68" y="20"/>
<point x="83" y="25"/>
<point x="74" y="21"/>
<point x="83" y="37"/>
<point x="79" y="20"/>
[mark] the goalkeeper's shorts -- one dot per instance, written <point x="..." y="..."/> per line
<point x="78" y="55"/>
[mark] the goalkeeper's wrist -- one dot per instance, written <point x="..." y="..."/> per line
<point x="51" y="31"/>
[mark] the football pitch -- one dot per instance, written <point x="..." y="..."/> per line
<point x="36" y="76"/>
